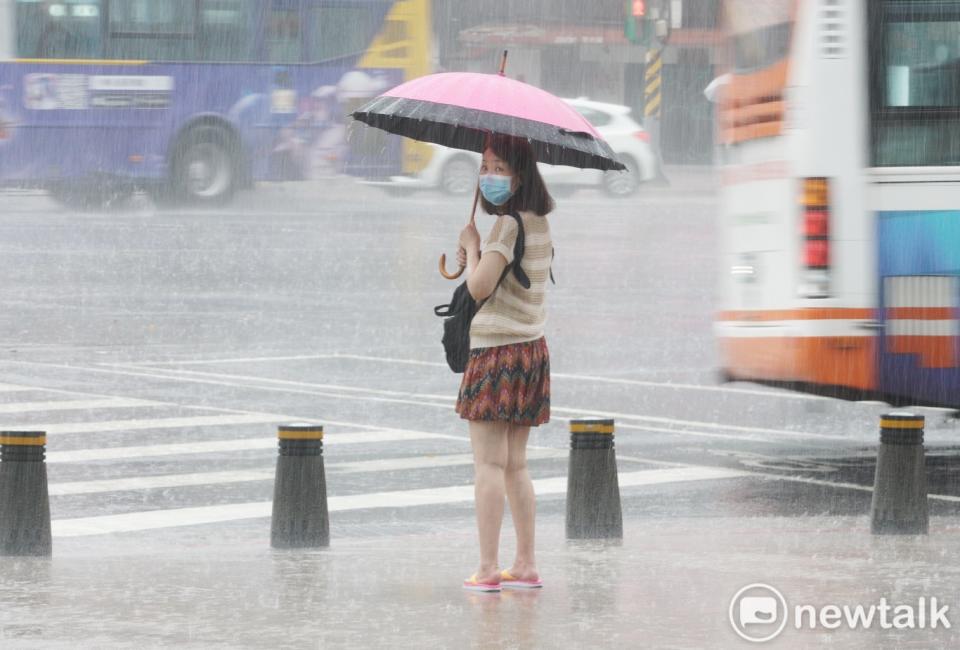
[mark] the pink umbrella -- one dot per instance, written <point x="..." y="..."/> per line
<point x="462" y="109"/>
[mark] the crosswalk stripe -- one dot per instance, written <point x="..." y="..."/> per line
<point x="156" y="519"/>
<point x="418" y="399"/>
<point x="158" y="423"/>
<point x="233" y="444"/>
<point x="74" y="405"/>
<point x="155" y="482"/>
<point x="14" y="388"/>
<point x="246" y="476"/>
<point x="427" y="462"/>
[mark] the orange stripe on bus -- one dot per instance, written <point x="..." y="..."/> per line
<point x="819" y="313"/>
<point x="765" y="111"/>
<point x="920" y="313"/>
<point x="847" y="361"/>
<point x="934" y="351"/>
<point x="752" y="105"/>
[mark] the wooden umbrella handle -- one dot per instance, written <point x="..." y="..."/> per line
<point x="443" y="257"/>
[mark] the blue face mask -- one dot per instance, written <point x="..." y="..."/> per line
<point x="496" y="189"/>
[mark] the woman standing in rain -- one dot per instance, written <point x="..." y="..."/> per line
<point x="506" y="385"/>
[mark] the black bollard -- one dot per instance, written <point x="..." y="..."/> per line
<point x="593" y="492"/>
<point x="900" y="482"/>
<point x="300" y="518"/>
<point x="24" y="499"/>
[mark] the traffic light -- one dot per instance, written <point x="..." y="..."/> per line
<point x="648" y="21"/>
<point x="636" y="27"/>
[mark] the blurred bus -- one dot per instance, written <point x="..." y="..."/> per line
<point x="839" y="130"/>
<point x="404" y="46"/>
<point x="190" y="99"/>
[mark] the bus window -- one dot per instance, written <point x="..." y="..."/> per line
<point x="337" y="32"/>
<point x="158" y="30"/>
<point x="284" y="36"/>
<point x="761" y="48"/>
<point x="68" y="29"/>
<point x="922" y="63"/>
<point x="225" y="30"/>
<point x="916" y="84"/>
<point x="759" y="32"/>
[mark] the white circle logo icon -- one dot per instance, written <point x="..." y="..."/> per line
<point x="758" y="612"/>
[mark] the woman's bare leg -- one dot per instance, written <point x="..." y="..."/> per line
<point x="489" y="442"/>
<point x="523" y="505"/>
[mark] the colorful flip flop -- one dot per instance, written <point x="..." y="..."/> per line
<point x="507" y="581"/>
<point x="471" y="584"/>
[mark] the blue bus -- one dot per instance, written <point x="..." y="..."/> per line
<point x="190" y="100"/>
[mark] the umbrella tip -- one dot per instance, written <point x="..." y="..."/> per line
<point x="503" y="63"/>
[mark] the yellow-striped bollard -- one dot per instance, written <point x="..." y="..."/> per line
<point x="593" y="492"/>
<point x="24" y="498"/>
<point x="300" y="518"/>
<point x="900" y="481"/>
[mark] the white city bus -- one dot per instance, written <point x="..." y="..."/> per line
<point x="840" y="208"/>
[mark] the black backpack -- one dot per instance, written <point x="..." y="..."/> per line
<point x="459" y="312"/>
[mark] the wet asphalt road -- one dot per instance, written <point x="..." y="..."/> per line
<point x="160" y="349"/>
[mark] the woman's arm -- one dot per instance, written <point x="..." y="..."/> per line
<point x="483" y="271"/>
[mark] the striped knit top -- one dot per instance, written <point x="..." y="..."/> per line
<point x="513" y="314"/>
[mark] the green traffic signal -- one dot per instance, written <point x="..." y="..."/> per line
<point x="638" y="30"/>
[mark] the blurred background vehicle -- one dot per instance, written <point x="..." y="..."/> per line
<point x="190" y="101"/>
<point x="840" y="175"/>
<point x="454" y="171"/>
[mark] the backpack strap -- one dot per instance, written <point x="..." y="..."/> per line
<point x="518" y="249"/>
<point x="552" y="254"/>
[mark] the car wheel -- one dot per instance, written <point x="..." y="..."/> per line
<point x="204" y="167"/>
<point x="459" y="176"/>
<point x="622" y="183"/>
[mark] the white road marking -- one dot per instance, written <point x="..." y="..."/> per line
<point x="724" y="436"/>
<point x="235" y="444"/>
<point x="257" y="380"/>
<point x="428" y="462"/>
<point x="155" y="519"/>
<point x="158" y="423"/>
<point x="248" y="476"/>
<point x="303" y="387"/>
<point x="14" y="388"/>
<point x="433" y="364"/>
<point x="75" y="405"/>
<point x="169" y="449"/>
<point x="160" y="481"/>
<point x="204" y="362"/>
<point x="444" y="402"/>
<point x="607" y="380"/>
<point x="846" y="486"/>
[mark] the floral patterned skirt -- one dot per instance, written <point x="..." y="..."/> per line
<point x="507" y="383"/>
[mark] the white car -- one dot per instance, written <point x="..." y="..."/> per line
<point x="455" y="171"/>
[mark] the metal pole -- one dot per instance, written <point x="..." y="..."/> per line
<point x="300" y="516"/>
<point x="900" y="483"/>
<point x="24" y="498"/>
<point x="593" y="490"/>
<point x="652" y="103"/>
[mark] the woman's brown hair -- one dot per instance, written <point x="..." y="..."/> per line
<point x="532" y="195"/>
